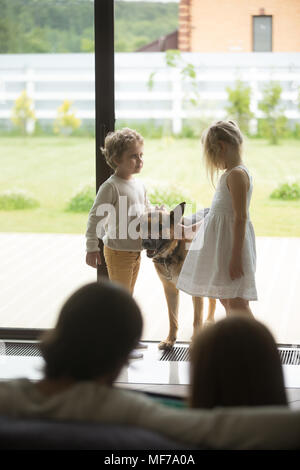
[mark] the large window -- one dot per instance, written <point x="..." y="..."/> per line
<point x="47" y="146"/>
<point x="169" y="92"/>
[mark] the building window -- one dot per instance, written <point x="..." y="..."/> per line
<point x="262" y="33"/>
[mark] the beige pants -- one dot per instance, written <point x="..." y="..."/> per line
<point x="123" y="266"/>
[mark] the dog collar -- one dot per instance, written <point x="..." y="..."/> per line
<point x="168" y="259"/>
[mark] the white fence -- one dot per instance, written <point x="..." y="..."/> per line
<point x="50" y="79"/>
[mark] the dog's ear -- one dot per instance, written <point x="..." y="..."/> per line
<point x="177" y="213"/>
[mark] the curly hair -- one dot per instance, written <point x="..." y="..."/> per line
<point x="226" y="131"/>
<point x="117" y="142"/>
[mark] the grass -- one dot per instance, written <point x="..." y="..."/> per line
<point x="52" y="168"/>
<point x="269" y="165"/>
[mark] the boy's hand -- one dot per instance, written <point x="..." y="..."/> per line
<point x="93" y="259"/>
<point x="236" y="268"/>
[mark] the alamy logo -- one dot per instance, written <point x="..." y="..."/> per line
<point x="132" y="222"/>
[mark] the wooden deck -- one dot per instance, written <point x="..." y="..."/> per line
<point x="39" y="271"/>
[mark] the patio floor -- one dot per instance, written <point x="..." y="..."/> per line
<point x="39" y="271"/>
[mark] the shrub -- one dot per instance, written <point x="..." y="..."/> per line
<point x="148" y="129"/>
<point x="296" y="131"/>
<point x="82" y="200"/>
<point x="188" y="132"/>
<point x="66" y="121"/>
<point x="17" y="199"/>
<point x="193" y="128"/>
<point x="273" y="130"/>
<point x="239" y="108"/>
<point x="158" y="193"/>
<point x="170" y="195"/>
<point x="287" y="192"/>
<point x="274" y="123"/>
<point x="23" y="115"/>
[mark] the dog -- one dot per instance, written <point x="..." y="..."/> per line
<point x="168" y="251"/>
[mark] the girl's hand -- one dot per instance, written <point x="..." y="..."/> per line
<point x="236" y="268"/>
<point x="93" y="259"/>
<point x="189" y="231"/>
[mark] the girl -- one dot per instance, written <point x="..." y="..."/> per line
<point x="236" y="363"/>
<point x="221" y="261"/>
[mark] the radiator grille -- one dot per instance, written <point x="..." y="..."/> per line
<point x="177" y="353"/>
<point x="289" y="355"/>
<point x="10" y="348"/>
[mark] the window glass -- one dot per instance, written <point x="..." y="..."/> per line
<point x="262" y="33"/>
<point x="47" y="155"/>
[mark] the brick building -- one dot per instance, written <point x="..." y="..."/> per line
<point x="239" y="26"/>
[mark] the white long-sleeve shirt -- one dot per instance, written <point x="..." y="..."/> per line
<point x="273" y="427"/>
<point x="115" y="213"/>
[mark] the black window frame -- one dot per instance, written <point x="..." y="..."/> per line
<point x="253" y="39"/>
<point x="104" y="123"/>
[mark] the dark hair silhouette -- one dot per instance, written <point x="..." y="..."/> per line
<point x="236" y="363"/>
<point x="97" y="328"/>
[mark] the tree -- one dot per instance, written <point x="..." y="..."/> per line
<point x="67" y="25"/>
<point x="275" y="123"/>
<point x="297" y="125"/>
<point x="239" y="108"/>
<point x="188" y="73"/>
<point x="4" y="33"/>
<point x="23" y="115"/>
<point x="66" y="121"/>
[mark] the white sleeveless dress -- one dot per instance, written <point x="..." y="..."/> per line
<point x="205" y="271"/>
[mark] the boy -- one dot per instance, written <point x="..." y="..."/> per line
<point x="121" y="199"/>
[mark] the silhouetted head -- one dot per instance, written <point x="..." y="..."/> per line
<point x="236" y="363"/>
<point x="97" y="328"/>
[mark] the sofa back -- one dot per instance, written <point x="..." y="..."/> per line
<point x="46" y="434"/>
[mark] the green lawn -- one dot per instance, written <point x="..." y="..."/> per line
<point x="52" y="169"/>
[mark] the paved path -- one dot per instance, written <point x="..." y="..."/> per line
<point x="38" y="271"/>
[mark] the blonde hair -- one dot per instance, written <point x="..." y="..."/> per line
<point x="226" y="131"/>
<point x="117" y="142"/>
